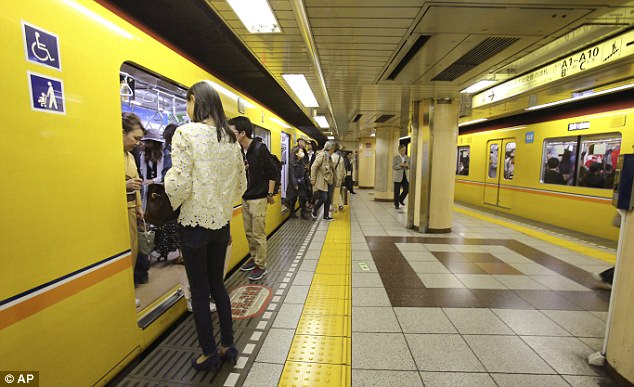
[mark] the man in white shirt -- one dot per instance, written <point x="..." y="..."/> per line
<point x="400" y="165"/>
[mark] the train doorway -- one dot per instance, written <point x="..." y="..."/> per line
<point x="500" y="170"/>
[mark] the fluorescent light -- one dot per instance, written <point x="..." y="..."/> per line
<point x="322" y="122"/>
<point x="483" y="84"/>
<point x="301" y="88"/>
<point x="373" y="135"/>
<point x="256" y="15"/>
<point x="472" y="122"/>
<point x="581" y="97"/>
<point x="99" y="19"/>
<point x="280" y="122"/>
<point x="403" y="138"/>
<point x="331" y="137"/>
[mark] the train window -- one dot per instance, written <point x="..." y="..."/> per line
<point x="558" y="165"/>
<point x="462" y="161"/>
<point x="509" y="160"/>
<point x="493" y="160"/>
<point x="586" y="161"/>
<point x="263" y="134"/>
<point x="598" y="155"/>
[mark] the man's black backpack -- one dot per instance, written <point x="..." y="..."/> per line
<point x="277" y="164"/>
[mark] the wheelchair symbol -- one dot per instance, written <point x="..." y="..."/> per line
<point x="40" y="51"/>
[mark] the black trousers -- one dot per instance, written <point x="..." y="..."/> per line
<point x="325" y="198"/>
<point x="399" y="197"/>
<point x="204" y="253"/>
<point x="348" y="183"/>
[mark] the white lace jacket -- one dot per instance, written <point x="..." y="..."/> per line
<point x="207" y="177"/>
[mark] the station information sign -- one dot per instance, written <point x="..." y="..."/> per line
<point x="600" y="54"/>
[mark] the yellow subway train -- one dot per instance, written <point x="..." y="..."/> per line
<point x="67" y="298"/>
<point x="555" y="168"/>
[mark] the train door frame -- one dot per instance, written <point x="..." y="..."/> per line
<point x="492" y="193"/>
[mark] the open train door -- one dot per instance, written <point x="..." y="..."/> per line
<point x="492" y="173"/>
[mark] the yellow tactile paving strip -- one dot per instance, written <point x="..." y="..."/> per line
<point x="589" y="251"/>
<point x="321" y="351"/>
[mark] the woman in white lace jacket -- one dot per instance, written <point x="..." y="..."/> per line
<point x="206" y="179"/>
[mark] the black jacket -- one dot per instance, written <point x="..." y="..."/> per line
<point x="260" y="170"/>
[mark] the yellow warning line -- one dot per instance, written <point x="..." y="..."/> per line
<point x="321" y="352"/>
<point x="590" y="251"/>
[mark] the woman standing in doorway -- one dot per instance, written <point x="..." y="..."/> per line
<point x="206" y="179"/>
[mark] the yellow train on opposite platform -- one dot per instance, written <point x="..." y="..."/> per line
<point x="558" y="169"/>
<point x="67" y="298"/>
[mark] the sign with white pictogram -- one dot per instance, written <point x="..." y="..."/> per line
<point x="47" y="94"/>
<point x="41" y="46"/>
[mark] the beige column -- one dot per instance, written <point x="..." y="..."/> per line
<point x="365" y="162"/>
<point x="386" y="148"/>
<point x="420" y="149"/>
<point x="444" y="137"/>
<point x="620" y="346"/>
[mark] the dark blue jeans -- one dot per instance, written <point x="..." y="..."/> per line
<point x="204" y="253"/>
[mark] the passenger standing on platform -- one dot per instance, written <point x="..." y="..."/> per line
<point x="206" y="179"/>
<point x="299" y="177"/>
<point x="133" y="131"/>
<point x="339" y="167"/>
<point x="293" y="188"/>
<point x="322" y="176"/>
<point x="348" y="182"/>
<point x="261" y="175"/>
<point x="400" y="165"/>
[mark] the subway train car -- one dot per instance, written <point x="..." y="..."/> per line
<point x="553" y="168"/>
<point x="68" y="299"/>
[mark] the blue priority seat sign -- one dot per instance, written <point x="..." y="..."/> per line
<point x="41" y="46"/>
<point x="46" y="94"/>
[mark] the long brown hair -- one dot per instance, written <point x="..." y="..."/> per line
<point x="208" y="105"/>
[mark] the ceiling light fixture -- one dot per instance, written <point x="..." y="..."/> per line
<point x="331" y="137"/>
<point x="301" y="88"/>
<point x="256" y="15"/>
<point x="581" y="97"/>
<point x="322" y="122"/>
<point x="480" y="85"/>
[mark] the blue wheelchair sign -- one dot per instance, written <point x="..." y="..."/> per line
<point x="47" y="94"/>
<point x="41" y="46"/>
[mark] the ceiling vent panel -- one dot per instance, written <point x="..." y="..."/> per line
<point x="411" y="53"/>
<point x="384" y="117"/>
<point x="484" y="51"/>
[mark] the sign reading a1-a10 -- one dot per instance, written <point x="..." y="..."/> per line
<point x="41" y="46"/>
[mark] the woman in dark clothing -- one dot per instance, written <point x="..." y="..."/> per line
<point x="167" y="234"/>
<point x="299" y="180"/>
<point x="552" y="175"/>
<point x="593" y="178"/>
<point x="348" y="182"/>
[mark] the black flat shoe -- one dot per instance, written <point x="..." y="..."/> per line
<point x="229" y="354"/>
<point x="212" y="362"/>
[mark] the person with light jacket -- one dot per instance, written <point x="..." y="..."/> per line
<point x="206" y="179"/>
<point x="322" y="176"/>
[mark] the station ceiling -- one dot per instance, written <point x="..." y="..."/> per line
<point x="365" y="60"/>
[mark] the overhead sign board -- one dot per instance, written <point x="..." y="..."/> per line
<point x="600" y="54"/>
